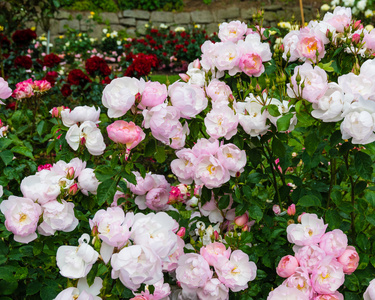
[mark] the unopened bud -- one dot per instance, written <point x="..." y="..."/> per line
<point x="181" y="232"/>
<point x="94" y="230"/>
<point x="298" y="78"/>
<point x="276" y="209"/>
<point x="83" y="141"/>
<point x="290" y="221"/>
<point x="300" y="216"/>
<point x="291" y="210"/>
<point x="258" y="88"/>
<point x="73" y="190"/>
<point x="216" y="235"/>
<point x="184" y="77"/>
<point x="241" y="220"/>
<point x="196" y="64"/>
<point x="70" y="173"/>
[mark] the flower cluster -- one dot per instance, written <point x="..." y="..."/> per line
<point x="208" y="163"/>
<point x="24" y="37"/>
<point x="233" y="271"/>
<point x="29" y="88"/>
<point x="320" y="262"/>
<point x="23" y="61"/>
<point x="51" y="60"/>
<point x="43" y="206"/>
<point x="96" y="64"/>
<point x="142" y="65"/>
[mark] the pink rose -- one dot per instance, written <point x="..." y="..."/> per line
<point x="370" y="291"/>
<point x="308" y="232"/>
<point x="232" y="31"/>
<point x="310" y="256"/>
<point x="232" y="158"/>
<point x="193" y="270"/>
<point x="218" y="91"/>
<point x="153" y="94"/>
<point x="334" y="242"/>
<point x="283" y="292"/>
<point x="213" y="251"/>
<point x="328" y="276"/>
<point x="5" y="90"/>
<point x="221" y="121"/>
<point x="210" y="172"/>
<point x="300" y="280"/>
<point x="291" y="210"/>
<point x="21" y="217"/>
<point x="369" y="40"/>
<point x="213" y="290"/>
<point x="349" y="260"/>
<point x="310" y="45"/>
<point x="340" y="18"/>
<point x="287" y="266"/>
<point x="334" y="296"/>
<point x="125" y="133"/>
<point x="41" y="86"/>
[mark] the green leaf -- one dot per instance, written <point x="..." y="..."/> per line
<point x="7" y="273"/>
<point x="370" y="198"/>
<point x="23" y="151"/>
<point x="150" y="148"/>
<point x="351" y="282"/>
<point x="41" y="127"/>
<point x="283" y="123"/>
<point x="92" y="274"/>
<point x="333" y="219"/>
<point x="256" y="213"/>
<point x="311" y="143"/>
<point x="278" y="147"/>
<point x="224" y="202"/>
<point x="6" y="156"/>
<point x="371" y="219"/>
<point x="4" y="143"/>
<point x="129" y="177"/>
<point x="309" y="200"/>
<point x="8" y="288"/>
<point x="103" y="173"/>
<point x="363" y="165"/>
<point x="362" y="241"/>
<point x="106" y="191"/>
<point x="327" y="67"/>
<point x="273" y="110"/>
<point x="160" y="154"/>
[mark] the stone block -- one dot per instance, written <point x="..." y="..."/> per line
<point x="141" y="28"/>
<point x="117" y="27"/>
<point x="202" y="17"/>
<point x="74" y="24"/>
<point x="270" y="16"/>
<point x="131" y="32"/>
<point x="211" y="28"/>
<point x="230" y="13"/>
<point x="128" y="21"/>
<point x="97" y="32"/>
<point x="54" y="27"/>
<point x="274" y="7"/>
<point x="247" y="13"/>
<point x="112" y="18"/>
<point x="62" y="14"/>
<point x="136" y="13"/>
<point x="182" y="18"/>
<point x="162" y="17"/>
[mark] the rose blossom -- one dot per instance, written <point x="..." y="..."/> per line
<point x="370" y="291"/>
<point x="290" y="43"/>
<point x="87" y="182"/>
<point x="340" y="18"/>
<point x="218" y="91"/>
<point x="195" y="74"/>
<point x="21" y="217"/>
<point x="226" y="57"/>
<point x="310" y="44"/>
<point x="310" y="256"/>
<point x="287" y="266"/>
<point x="210" y="172"/>
<point x="5" y="90"/>
<point x="213" y="251"/>
<point x="80" y="114"/>
<point x="213" y="290"/>
<point x="349" y="260"/>
<point x="232" y="31"/>
<point x="300" y="279"/>
<point x="193" y="271"/>
<point x="154" y="94"/>
<point x="308" y="232"/>
<point x="221" y="121"/>
<point x="328" y="276"/>
<point x="335" y="296"/>
<point x="119" y="95"/>
<point x="57" y="216"/>
<point x="125" y="133"/>
<point x="334" y="242"/>
<point x="183" y="166"/>
<point x="283" y="292"/>
<point x="189" y="99"/>
<point x="178" y="141"/>
<point x="314" y="80"/>
<point x="76" y="262"/>
<point x="236" y="272"/>
<point x="135" y="265"/>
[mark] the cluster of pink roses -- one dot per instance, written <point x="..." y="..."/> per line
<point x="28" y="88"/>
<point x="208" y="163"/>
<point x="320" y="262"/>
<point x="240" y="50"/>
<point x="43" y="206"/>
<point x="233" y="271"/>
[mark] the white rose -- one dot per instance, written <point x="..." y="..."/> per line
<point x="88" y="182"/>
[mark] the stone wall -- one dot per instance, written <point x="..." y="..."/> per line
<point x="133" y="21"/>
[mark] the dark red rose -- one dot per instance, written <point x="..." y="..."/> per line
<point x="51" y="60"/>
<point x="24" y="37"/>
<point x="95" y="64"/>
<point x="51" y="77"/>
<point x="66" y="90"/>
<point x="11" y="105"/>
<point x="23" y="61"/>
<point x="4" y="41"/>
<point x="77" y="77"/>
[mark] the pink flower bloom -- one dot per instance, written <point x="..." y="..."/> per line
<point x="334" y="296"/>
<point x="189" y="99"/>
<point x="125" y="133"/>
<point x="172" y="263"/>
<point x="370" y="291"/>
<point x="212" y="252"/>
<point x="5" y="90"/>
<point x="349" y="260"/>
<point x="236" y="272"/>
<point x="135" y="265"/>
<point x="226" y="57"/>
<point x="291" y="210"/>
<point x="21" y="217"/>
<point x="193" y="270"/>
<point x="310" y="256"/>
<point x="328" y="276"/>
<point x="87" y="182"/>
<point x="276" y="209"/>
<point x="308" y="232"/>
<point x="300" y="279"/>
<point x="287" y="293"/>
<point x="232" y="31"/>
<point x="232" y="158"/>
<point x="340" y="18"/>
<point x="368" y="39"/>
<point x="334" y="242"/>
<point x="310" y="45"/>
<point x="314" y="80"/>
<point x="183" y="166"/>
<point x="213" y="290"/>
<point x="153" y="94"/>
<point x="287" y="266"/>
<point x="290" y="43"/>
<point x="218" y="91"/>
<point x="23" y="90"/>
<point x="210" y="172"/>
<point x="221" y="121"/>
<point x="41" y="86"/>
<point x="241" y="220"/>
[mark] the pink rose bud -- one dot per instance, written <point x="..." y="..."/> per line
<point x="184" y="77"/>
<point x="174" y="194"/>
<point x="287" y="266"/>
<point x="245" y="228"/>
<point x="300" y="216"/>
<point x="216" y="235"/>
<point x="181" y="232"/>
<point x="70" y="173"/>
<point x="357" y="25"/>
<point x="196" y="64"/>
<point x="356" y="38"/>
<point x="55" y="112"/>
<point x="241" y="220"/>
<point x="291" y="210"/>
<point x="276" y="209"/>
<point x="125" y="133"/>
<point x="73" y="190"/>
<point x="349" y="260"/>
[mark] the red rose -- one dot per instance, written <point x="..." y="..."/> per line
<point x="23" y="61"/>
<point x="23" y="38"/>
<point x="77" y="77"/>
<point x="66" y="90"/>
<point x="51" y="60"/>
<point x="95" y="64"/>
